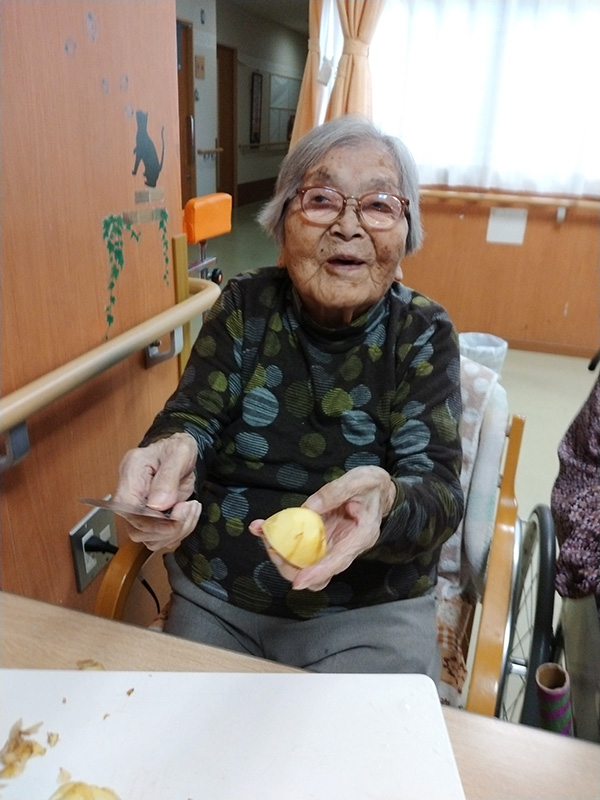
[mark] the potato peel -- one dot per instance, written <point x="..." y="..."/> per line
<point x="77" y="790"/>
<point x="297" y="535"/>
<point x="18" y="749"/>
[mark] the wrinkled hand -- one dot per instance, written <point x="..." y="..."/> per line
<point x="352" y="508"/>
<point x="161" y="476"/>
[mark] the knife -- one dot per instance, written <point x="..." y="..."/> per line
<point x="127" y="508"/>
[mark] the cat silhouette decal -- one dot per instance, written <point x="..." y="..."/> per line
<point x="145" y="151"/>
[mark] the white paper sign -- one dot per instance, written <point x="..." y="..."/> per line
<point x="507" y="225"/>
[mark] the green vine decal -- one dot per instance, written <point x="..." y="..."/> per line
<point x="113" y="227"/>
<point x="162" y="227"/>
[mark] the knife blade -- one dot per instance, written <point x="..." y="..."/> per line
<point x="127" y="508"/>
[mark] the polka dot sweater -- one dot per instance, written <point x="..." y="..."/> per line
<point x="279" y="406"/>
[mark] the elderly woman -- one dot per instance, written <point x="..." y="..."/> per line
<point x="321" y="382"/>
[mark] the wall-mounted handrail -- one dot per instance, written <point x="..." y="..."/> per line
<point x="16" y="407"/>
<point x="511" y="199"/>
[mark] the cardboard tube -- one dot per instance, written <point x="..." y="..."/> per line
<point x="554" y="697"/>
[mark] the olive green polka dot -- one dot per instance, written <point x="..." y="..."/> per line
<point x="424" y="368"/>
<point x="313" y="445"/>
<point x="206" y="346"/>
<point x="421" y="301"/>
<point x="306" y="604"/>
<point x="218" y="381"/>
<point x="275" y="323"/>
<point x="211" y="401"/>
<point x="267" y="297"/>
<point x="235" y="324"/>
<point x="403" y="351"/>
<point x="335" y="402"/>
<point x="234" y="527"/>
<point x="374" y="353"/>
<point x="298" y="400"/>
<point x="332" y="474"/>
<point x="249" y="595"/>
<point x="258" y="379"/>
<point x="351" y="368"/>
<point x="420" y="587"/>
<point x="209" y="536"/>
<point x="201" y="570"/>
<point x="424" y="537"/>
<point x="444" y="424"/>
<point x="272" y="345"/>
<point x="213" y="512"/>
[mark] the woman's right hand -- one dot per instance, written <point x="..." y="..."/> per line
<point x="161" y="476"/>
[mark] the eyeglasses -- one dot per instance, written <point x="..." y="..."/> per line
<point x="324" y="206"/>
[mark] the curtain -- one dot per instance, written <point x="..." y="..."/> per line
<point x="352" y="89"/>
<point x="311" y="89"/>
<point x="493" y="94"/>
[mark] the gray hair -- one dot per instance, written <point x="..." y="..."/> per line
<point x="344" y="131"/>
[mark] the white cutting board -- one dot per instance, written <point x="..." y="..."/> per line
<point x="229" y="736"/>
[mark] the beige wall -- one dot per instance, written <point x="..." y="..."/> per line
<point x="541" y="295"/>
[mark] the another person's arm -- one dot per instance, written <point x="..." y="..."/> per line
<point x="576" y="503"/>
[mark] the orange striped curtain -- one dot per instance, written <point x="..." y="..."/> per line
<point x="311" y="89"/>
<point x="352" y="89"/>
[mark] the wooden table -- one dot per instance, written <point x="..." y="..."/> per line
<point x="496" y="760"/>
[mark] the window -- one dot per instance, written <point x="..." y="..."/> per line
<point x="496" y="94"/>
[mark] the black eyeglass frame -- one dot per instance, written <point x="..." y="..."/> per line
<point x="404" y="205"/>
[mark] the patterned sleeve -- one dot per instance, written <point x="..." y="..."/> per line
<point x="576" y="503"/>
<point x="426" y="443"/>
<point x="210" y="384"/>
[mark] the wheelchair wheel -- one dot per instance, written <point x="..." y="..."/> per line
<point x="529" y="629"/>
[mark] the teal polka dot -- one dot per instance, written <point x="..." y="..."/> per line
<point x="360" y="395"/>
<point x="274" y="376"/>
<point x="260" y="408"/>
<point x="361" y="460"/>
<point x="234" y="505"/>
<point x="219" y="569"/>
<point x="251" y="445"/>
<point x="291" y="476"/>
<point x="358" y="427"/>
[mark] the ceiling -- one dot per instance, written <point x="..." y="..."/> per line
<point x="289" y="13"/>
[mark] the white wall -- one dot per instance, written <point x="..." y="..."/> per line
<point x="203" y="17"/>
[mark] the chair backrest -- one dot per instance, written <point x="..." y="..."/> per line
<point x="464" y="557"/>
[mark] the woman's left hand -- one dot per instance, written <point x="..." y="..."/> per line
<point x="352" y="508"/>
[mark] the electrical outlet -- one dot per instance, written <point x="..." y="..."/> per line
<point x="99" y="522"/>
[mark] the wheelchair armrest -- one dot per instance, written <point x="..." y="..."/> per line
<point x="119" y="577"/>
<point x="488" y="658"/>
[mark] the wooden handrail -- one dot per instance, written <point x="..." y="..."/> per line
<point x="16" y="407"/>
<point x="511" y="199"/>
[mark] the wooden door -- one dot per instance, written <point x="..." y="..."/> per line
<point x="185" y="94"/>
<point x="90" y="197"/>
<point x="227" y="121"/>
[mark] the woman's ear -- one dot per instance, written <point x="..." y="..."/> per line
<point x="398" y="274"/>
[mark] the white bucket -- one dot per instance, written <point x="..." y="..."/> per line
<point x="485" y="348"/>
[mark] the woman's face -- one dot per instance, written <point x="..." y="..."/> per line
<point x="343" y="268"/>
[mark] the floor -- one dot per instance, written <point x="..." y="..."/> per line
<point x="547" y="389"/>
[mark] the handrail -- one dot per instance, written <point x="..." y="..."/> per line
<point x="16" y="407"/>
<point x="510" y="199"/>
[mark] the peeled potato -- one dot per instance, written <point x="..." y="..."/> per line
<point x="297" y="534"/>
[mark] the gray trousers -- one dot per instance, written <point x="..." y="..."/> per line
<point x="390" y="637"/>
